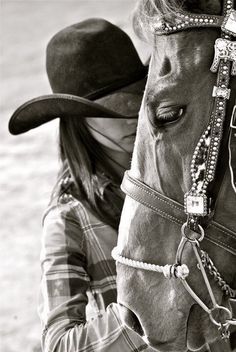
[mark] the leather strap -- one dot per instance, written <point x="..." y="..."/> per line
<point x="232" y="149"/>
<point x="185" y="21"/>
<point x="173" y="211"/>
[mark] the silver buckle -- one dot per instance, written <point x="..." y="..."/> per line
<point x="224" y="50"/>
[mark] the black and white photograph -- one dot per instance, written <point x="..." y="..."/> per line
<point x="118" y="175"/>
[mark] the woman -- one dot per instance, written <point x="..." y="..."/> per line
<point x="92" y="60"/>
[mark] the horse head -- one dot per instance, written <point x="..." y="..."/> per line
<point x="176" y="132"/>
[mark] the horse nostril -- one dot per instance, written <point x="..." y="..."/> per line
<point x="131" y="320"/>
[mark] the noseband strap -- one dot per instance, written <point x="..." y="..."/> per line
<point x="173" y="211"/>
<point x="169" y="209"/>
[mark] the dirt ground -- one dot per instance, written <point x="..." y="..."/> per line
<point x="28" y="163"/>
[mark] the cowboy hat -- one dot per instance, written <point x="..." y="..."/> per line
<point x="94" y="71"/>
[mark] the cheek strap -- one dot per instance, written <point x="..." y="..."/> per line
<point x="232" y="149"/>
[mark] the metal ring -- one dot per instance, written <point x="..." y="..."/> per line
<point x="225" y="310"/>
<point x="195" y="240"/>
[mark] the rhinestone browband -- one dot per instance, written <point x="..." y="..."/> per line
<point x="184" y="20"/>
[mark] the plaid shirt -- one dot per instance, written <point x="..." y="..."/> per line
<point x="78" y="287"/>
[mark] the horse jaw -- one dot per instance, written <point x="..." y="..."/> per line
<point x="161" y="306"/>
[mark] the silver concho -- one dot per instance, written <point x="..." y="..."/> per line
<point x="195" y="204"/>
<point x="229" y="23"/>
<point x="221" y="92"/>
<point x="224" y="49"/>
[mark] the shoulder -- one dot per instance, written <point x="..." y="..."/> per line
<point x="67" y="211"/>
<point x="62" y="225"/>
<point x="68" y="217"/>
<point x="63" y="239"/>
<point x="68" y="207"/>
<point x="61" y="208"/>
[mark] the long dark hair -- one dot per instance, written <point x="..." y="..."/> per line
<point x="83" y="159"/>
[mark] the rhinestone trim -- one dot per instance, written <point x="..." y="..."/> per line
<point x="195" y="204"/>
<point x="204" y="161"/>
<point x="229" y="23"/>
<point x="225" y="50"/>
<point x="206" y="153"/>
<point x="186" y="21"/>
<point x="221" y="92"/>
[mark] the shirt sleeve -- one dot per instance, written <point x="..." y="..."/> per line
<point x="63" y="294"/>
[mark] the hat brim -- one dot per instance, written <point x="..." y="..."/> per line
<point x="40" y="110"/>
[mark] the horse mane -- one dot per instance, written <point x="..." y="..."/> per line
<point x="148" y="10"/>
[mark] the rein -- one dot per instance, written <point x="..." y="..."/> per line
<point x="199" y="201"/>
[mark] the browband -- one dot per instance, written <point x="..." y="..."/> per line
<point x="173" y="211"/>
<point x="185" y="20"/>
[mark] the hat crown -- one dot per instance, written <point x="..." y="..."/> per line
<point x="90" y="56"/>
<point x="86" y="61"/>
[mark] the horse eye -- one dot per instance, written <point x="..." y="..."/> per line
<point x="167" y="115"/>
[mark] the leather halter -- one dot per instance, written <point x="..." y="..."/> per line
<point x="198" y="201"/>
<point x="232" y="149"/>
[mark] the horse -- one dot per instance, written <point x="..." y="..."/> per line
<point x="175" y="255"/>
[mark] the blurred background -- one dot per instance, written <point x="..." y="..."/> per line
<point x="29" y="163"/>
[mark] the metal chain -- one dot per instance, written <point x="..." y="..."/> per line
<point x="208" y="263"/>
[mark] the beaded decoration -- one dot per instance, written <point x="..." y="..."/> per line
<point x="228" y="25"/>
<point x="205" y="156"/>
<point x="185" y="21"/>
<point x="226" y="50"/>
<point x="204" y="161"/>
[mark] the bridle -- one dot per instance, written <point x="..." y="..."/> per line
<point x="199" y="201"/>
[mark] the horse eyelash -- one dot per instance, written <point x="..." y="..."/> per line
<point x="170" y="114"/>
